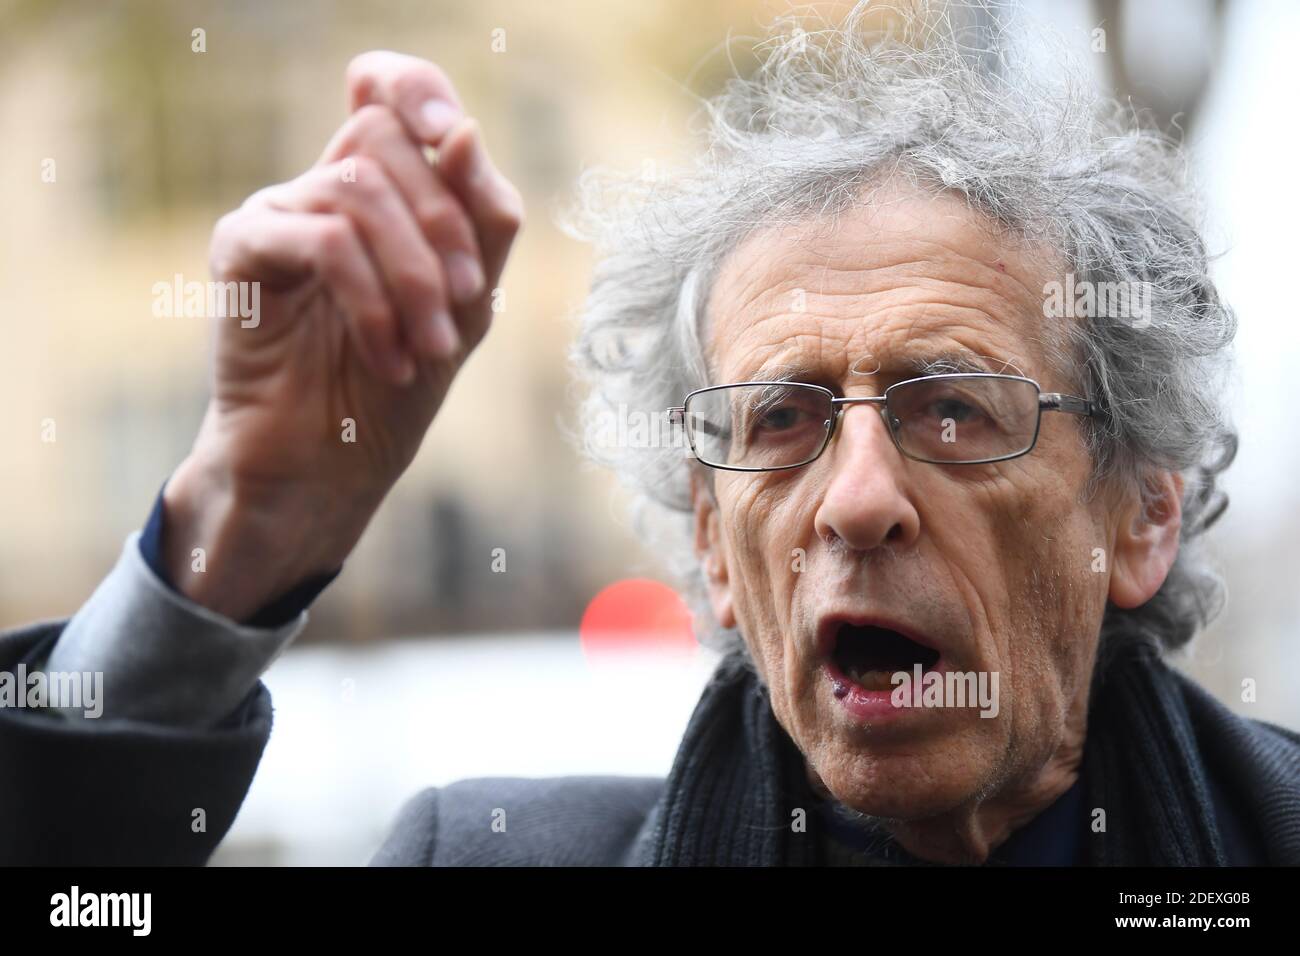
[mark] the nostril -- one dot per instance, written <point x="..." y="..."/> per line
<point x="895" y="533"/>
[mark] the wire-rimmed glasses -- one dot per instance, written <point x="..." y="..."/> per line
<point x="965" y="418"/>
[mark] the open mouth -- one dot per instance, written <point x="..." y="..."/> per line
<point x="869" y="655"/>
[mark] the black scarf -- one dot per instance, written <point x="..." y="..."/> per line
<point x="738" y="783"/>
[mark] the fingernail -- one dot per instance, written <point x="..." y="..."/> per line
<point x="440" y="335"/>
<point x="437" y="117"/>
<point x="465" y="276"/>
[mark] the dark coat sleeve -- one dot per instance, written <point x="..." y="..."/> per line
<point x="104" y="792"/>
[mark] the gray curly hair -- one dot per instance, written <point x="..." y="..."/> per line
<point x="829" y="112"/>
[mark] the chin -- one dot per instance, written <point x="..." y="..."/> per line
<point x="912" y="786"/>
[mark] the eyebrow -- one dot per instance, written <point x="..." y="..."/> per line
<point x="943" y="363"/>
<point x="950" y="363"/>
<point x="783" y="372"/>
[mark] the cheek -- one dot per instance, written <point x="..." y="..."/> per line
<point x="984" y="531"/>
<point x="1045" y="610"/>
<point x="762" y="531"/>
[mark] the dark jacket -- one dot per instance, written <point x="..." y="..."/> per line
<point x="105" y="792"/>
<point x="112" y="792"/>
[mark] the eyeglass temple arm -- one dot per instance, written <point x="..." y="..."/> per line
<point x="677" y="416"/>
<point x="1071" y="404"/>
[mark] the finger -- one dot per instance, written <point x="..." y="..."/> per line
<point x="417" y="90"/>
<point x="494" y="206"/>
<point x="261" y="243"/>
<point x="375" y="131"/>
<point x="410" y="270"/>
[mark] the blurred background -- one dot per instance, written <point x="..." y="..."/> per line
<point x="123" y="145"/>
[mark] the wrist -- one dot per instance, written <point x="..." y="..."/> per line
<point x="233" y="546"/>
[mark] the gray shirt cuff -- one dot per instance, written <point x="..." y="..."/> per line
<point x="164" y="659"/>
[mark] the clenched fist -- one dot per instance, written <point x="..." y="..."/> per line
<point x="376" y="269"/>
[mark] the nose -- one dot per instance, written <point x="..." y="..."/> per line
<point x="867" y="504"/>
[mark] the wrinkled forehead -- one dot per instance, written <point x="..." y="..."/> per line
<point x="902" y="286"/>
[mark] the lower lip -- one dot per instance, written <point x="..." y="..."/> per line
<point x="873" y="705"/>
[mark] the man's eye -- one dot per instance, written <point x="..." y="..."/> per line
<point x="956" y="409"/>
<point x="784" y="416"/>
<point x="779" y="418"/>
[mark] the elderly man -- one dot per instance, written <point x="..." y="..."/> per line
<point x="945" y="351"/>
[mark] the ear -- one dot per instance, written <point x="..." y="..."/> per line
<point x="1146" y="540"/>
<point x="709" y="550"/>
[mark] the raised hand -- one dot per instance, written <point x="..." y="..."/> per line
<point x="376" y="272"/>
